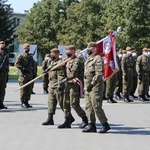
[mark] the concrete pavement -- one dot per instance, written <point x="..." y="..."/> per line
<point x="21" y="128"/>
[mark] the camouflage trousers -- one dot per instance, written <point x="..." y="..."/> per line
<point x="93" y="104"/>
<point x="3" y="81"/>
<point x="72" y="99"/>
<point x="53" y="97"/>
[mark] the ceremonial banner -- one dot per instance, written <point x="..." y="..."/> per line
<point x="107" y="50"/>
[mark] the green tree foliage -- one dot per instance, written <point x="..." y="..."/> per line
<point x="134" y="18"/>
<point x="82" y="24"/>
<point x="79" y="22"/>
<point x="7" y="25"/>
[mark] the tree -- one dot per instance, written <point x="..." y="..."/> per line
<point x="6" y="22"/>
<point x="82" y="24"/>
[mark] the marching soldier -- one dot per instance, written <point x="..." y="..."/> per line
<point x="94" y="85"/>
<point x="25" y="64"/>
<point x="127" y="66"/>
<point x="4" y="69"/>
<point x="73" y="87"/>
<point x="134" y="55"/>
<point x="55" y="88"/>
<point x="143" y="72"/>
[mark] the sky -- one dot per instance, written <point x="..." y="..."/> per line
<point x="21" y="5"/>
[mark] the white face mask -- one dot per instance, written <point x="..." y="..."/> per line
<point x="123" y="55"/>
<point x="134" y="54"/>
<point x="129" y="52"/>
<point x="149" y="54"/>
<point x="46" y="58"/>
<point x="120" y="55"/>
<point x="146" y="53"/>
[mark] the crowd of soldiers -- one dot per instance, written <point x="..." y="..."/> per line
<point x="66" y="80"/>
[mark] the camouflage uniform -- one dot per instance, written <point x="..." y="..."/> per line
<point x="94" y="86"/>
<point x="25" y="64"/>
<point x="127" y="66"/>
<point x="4" y="69"/>
<point x="45" y="79"/>
<point x="143" y="71"/>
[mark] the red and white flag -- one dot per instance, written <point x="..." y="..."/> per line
<point x="107" y="50"/>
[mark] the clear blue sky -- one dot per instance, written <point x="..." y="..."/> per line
<point x="20" y="5"/>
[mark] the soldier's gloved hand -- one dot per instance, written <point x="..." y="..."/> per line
<point x="46" y="71"/>
<point x="125" y="77"/>
<point x="63" y="81"/>
<point x="89" y="87"/>
<point x="140" y="77"/>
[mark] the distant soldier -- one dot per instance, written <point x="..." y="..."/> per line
<point x="25" y="64"/>
<point x="127" y="66"/>
<point x="143" y="72"/>
<point x="93" y="86"/>
<point x="73" y="88"/>
<point x="134" y="55"/>
<point x="4" y="69"/>
<point x="45" y="77"/>
<point x="149" y="75"/>
<point x="118" y="89"/>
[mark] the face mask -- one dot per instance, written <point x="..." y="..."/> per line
<point x="46" y="58"/>
<point x="68" y="55"/>
<point x="129" y="52"/>
<point x="60" y="57"/>
<point x="123" y="55"/>
<point x="146" y="53"/>
<point x="134" y="54"/>
<point x="120" y="55"/>
<point x="89" y="52"/>
<point x="27" y="51"/>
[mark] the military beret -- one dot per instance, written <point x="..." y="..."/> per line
<point x="91" y="44"/>
<point x="25" y="45"/>
<point x="70" y="47"/>
<point x="55" y="50"/>
<point x="2" y="42"/>
<point x="128" y="48"/>
<point x="144" y="49"/>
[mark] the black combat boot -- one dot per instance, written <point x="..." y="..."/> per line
<point x="27" y="105"/>
<point x="143" y="98"/>
<point x="90" y="128"/>
<point x="127" y="99"/>
<point x="84" y="122"/>
<point x="110" y="100"/>
<point x="49" y="120"/>
<point x="118" y="96"/>
<point x="105" y="128"/>
<point x="71" y="119"/>
<point x="2" y="106"/>
<point x="66" y="124"/>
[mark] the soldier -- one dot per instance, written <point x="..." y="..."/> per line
<point x="25" y="64"/>
<point x="118" y="88"/>
<point x="55" y="88"/>
<point x="34" y="71"/>
<point x="127" y="66"/>
<point x="134" y="55"/>
<point x="73" y="86"/>
<point x="143" y="72"/>
<point x="94" y="85"/>
<point x="45" y="77"/>
<point x="147" y="94"/>
<point x="4" y="69"/>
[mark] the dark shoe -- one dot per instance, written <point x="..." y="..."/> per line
<point x="110" y="100"/>
<point x="45" y="91"/>
<point x="104" y="97"/>
<point x="2" y="106"/>
<point x="32" y="92"/>
<point x="127" y="100"/>
<point x="66" y="124"/>
<point x="49" y="120"/>
<point x="118" y="96"/>
<point x="84" y="122"/>
<point x="143" y="98"/>
<point x="105" y="128"/>
<point x="90" y="128"/>
<point x="71" y="119"/>
<point x="133" y="96"/>
<point x="27" y="105"/>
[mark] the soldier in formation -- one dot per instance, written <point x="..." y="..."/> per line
<point x="4" y="69"/>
